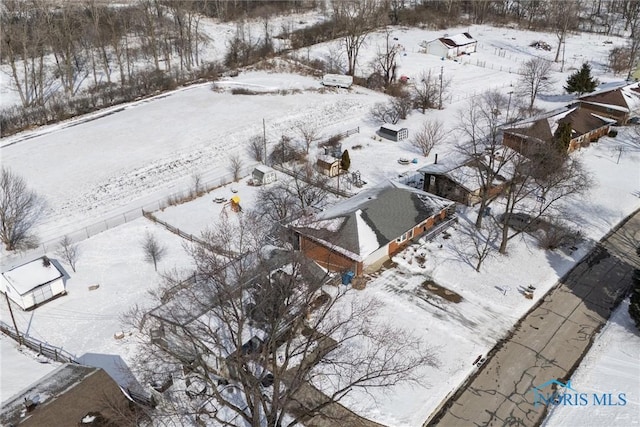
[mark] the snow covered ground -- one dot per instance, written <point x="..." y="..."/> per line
<point x="152" y="149"/>
<point x="611" y="366"/>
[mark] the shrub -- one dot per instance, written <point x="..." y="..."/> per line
<point x="613" y="133"/>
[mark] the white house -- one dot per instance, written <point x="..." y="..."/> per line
<point x="452" y="46"/>
<point x="263" y="175"/>
<point x="33" y="283"/>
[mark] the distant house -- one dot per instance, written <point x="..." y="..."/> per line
<point x="459" y="180"/>
<point x="618" y="104"/>
<point x="33" y="283"/>
<point x="451" y="46"/>
<point x="263" y="175"/>
<point x="586" y="126"/>
<point x="72" y="395"/>
<point x="360" y="233"/>
<point x="328" y="165"/>
<point x="393" y="132"/>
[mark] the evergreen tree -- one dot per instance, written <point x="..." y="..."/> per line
<point x="345" y="162"/>
<point x="581" y="81"/>
<point x="562" y="137"/>
<point x="634" y="302"/>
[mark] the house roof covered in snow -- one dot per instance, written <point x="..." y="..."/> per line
<point x="457" y="40"/>
<point x="28" y="276"/>
<point x="543" y="128"/>
<point x="626" y="98"/>
<point x="371" y="219"/>
<point x="64" y="397"/>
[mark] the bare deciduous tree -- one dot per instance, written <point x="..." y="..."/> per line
<point x="20" y="210"/>
<point x="430" y="90"/>
<point x="384" y="112"/>
<point x="256" y="148"/>
<point x="481" y="144"/>
<point x="430" y="134"/>
<point x="235" y="166"/>
<point x="153" y="250"/>
<point x="251" y="335"/>
<point x="69" y="252"/>
<point x="308" y="132"/>
<point x="385" y="60"/>
<point x="355" y="20"/>
<point x="534" y="78"/>
<point x="541" y="179"/>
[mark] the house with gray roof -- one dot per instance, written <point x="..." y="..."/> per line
<point x="360" y="233"/>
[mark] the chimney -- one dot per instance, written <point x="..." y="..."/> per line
<point x="436" y="161"/>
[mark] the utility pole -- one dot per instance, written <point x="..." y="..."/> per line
<point x="564" y="46"/>
<point x="264" y="141"/>
<point x="440" y="100"/>
<point x="13" y="319"/>
<point x="508" y="105"/>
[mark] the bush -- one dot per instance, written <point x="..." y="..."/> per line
<point x="613" y="133"/>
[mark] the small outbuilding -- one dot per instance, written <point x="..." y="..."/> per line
<point x="393" y="132"/>
<point x="328" y="165"/>
<point x="33" y="283"/>
<point x="451" y="46"/>
<point x="263" y="175"/>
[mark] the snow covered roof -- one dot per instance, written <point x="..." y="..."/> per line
<point x="28" y="276"/>
<point x="391" y="127"/>
<point x="457" y="40"/>
<point x="262" y="170"/>
<point x="369" y="220"/>
<point x="63" y="397"/>
<point x="626" y="98"/>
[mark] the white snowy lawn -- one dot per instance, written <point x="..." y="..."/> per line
<point x="151" y="149"/>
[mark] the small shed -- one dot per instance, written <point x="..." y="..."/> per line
<point x="328" y="165"/>
<point x="263" y="175"/>
<point x="393" y="132"/>
<point x="33" y="283"/>
<point x="451" y="46"/>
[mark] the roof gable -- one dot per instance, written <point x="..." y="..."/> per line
<point x="29" y="276"/>
<point x="373" y="218"/>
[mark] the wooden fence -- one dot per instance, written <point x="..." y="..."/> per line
<point x="44" y="349"/>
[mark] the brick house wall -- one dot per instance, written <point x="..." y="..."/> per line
<point x="328" y="258"/>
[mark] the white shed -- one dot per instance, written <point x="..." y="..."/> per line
<point x="263" y="175"/>
<point x="33" y="283"/>
<point x="393" y="132"/>
<point x="452" y="46"/>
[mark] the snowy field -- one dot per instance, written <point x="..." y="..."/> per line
<point x="151" y="149"/>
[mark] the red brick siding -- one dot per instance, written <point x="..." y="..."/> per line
<point x="329" y="259"/>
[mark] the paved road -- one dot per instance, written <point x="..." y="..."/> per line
<point x="550" y="341"/>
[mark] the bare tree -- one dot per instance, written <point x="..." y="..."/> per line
<point x="250" y="336"/>
<point x="563" y="18"/>
<point x="541" y="179"/>
<point x="385" y="60"/>
<point x="69" y="252"/>
<point x="308" y="132"/>
<point x="534" y="78"/>
<point x="153" y="250"/>
<point x="355" y="20"/>
<point x="384" y="112"/>
<point x="430" y="134"/>
<point x="235" y="166"/>
<point x="256" y="148"/>
<point x="196" y="182"/>
<point x="20" y="210"/>
<point x="276" y="202"/>
<point x="430" y="90"/>
<point x="481" y="143"/>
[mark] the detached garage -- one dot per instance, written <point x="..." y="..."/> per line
<point x="33" y="283"/>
